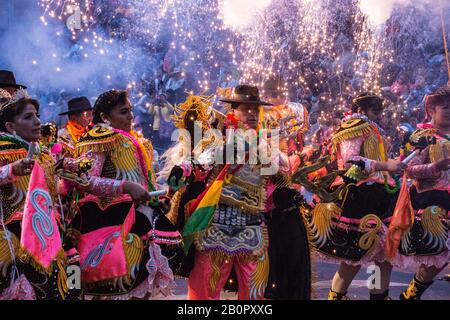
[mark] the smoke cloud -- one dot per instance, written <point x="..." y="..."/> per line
<point x="379" y="11"/>
<point x="239" y="14"/>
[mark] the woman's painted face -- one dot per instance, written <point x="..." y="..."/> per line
<point x="27" y="124"/>
<point x="121" y="116"/>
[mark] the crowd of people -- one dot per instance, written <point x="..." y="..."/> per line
<point x="160" y="74"/>
<point x="94" y="195"/>
<point x="155" y="99"/>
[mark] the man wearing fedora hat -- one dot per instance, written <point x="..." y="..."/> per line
<point x="79" y="112"/>
<point x="236" y="236"/>
<point x="245" y="95"/>
<point x="8" y="82"/>
<point x="238" y="218"/>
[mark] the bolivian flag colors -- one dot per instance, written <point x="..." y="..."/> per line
<point x="203" y="209"/>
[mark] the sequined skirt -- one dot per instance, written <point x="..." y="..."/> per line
<point x="353" y="230"/>
<point x="429" y="234"/>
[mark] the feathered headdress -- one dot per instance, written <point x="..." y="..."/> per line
<point x="202" y="107"/>
<point x="7" y="99"/>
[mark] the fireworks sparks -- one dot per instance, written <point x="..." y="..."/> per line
<point x="222" y="42"/>
<point x="78" y="11"/>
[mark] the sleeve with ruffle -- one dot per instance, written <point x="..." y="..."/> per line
<point x="350" y="151"/>
<point x="419" y="169"/>
<point x="98" y="185"/>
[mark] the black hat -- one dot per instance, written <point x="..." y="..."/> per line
<point x="368" y="100"/>
<point x="7" y="79"/>
<point x="245" y="94"/>
<point x="77" y="105"/>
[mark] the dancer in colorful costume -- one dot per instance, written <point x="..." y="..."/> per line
<point x="80" y="116"/>
<point x="232" y="206"/>
<point x="117" y="235"/>
<point x="349" y="225"/>
<point x="32" y="259"/>
<point x="426" y="243"/>
<point x="180" y="170"/>
<point x="289" y="254"/>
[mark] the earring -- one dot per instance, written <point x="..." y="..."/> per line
<point x="14" y="133"/>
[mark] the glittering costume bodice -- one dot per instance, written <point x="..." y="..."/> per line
<point x="359" y="139"/>
<point x="116" y="158"/>
<point x="237" y="225"/>
<point x="14" y="190"/>
<point x="245" y="190"/>
<point x="422" y="167"/>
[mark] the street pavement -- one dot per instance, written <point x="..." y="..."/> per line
<point x="440" y="290"/>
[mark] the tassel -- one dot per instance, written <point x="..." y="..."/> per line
<point x="351" y="133"/>
<point x="62" y="278"/>
<point x="125" y="159"/>
<point x="12" y="155"/>
<point x="28" y="258"/>
<point x="243" y="257"/>
<point x="60" y="260"/>
<point x="107" y="142"/>
<point x="372" y="148"/>
<point x="439" y="151"/>
<point x="172" y="215"/>
<point x="12" y="149"/>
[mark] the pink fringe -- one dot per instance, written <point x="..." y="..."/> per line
<point x="21" y="289"/>
<point x="159" y="281"/>
<point x="411" y="263"/>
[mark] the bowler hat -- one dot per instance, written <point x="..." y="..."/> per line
<point x="77" y="105"/>
<point x="7" y="79"/>
<point x="245" y="94"/>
